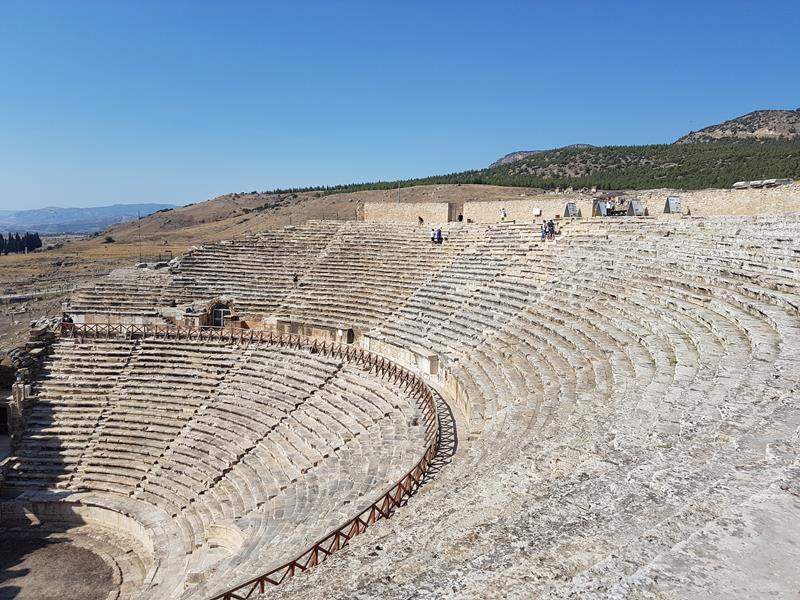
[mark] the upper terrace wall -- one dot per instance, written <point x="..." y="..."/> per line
<point x="488" y="211"/>
<point x="783" y="199"/>
<point x="433" y="213"/>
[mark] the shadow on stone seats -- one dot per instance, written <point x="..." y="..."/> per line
<point x="37" y="559"/>
<point x="448" y="440"/>
<point x="40" y="458"/>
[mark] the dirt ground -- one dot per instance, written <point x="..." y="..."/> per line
<point x="29" y="564"/>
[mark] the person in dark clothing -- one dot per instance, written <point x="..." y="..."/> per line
<point x="294" y="279"/>
<point x="66" y="324"/>
<point x="439" y="234"/>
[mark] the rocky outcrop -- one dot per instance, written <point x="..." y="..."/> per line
<point x="513" y="157"/>
<point x="757" y="125"/>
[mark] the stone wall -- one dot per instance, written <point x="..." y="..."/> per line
<point x="783" y="199"/>
<point x="433" y="213"/>
<point x="425" y="362"/>
<point x="522" y="210"/>
<point x="121" y="319"/>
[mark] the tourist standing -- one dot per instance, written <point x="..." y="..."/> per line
<point x="503" y="214"/>
<point x="544" y="230"/>
<point x="433" y="235"/>
<point x="439" y="234"/>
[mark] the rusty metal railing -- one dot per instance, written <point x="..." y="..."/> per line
<point x="382" y="508"/>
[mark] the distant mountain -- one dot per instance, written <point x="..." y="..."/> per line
<point x="759" y="145"/>
<point x="520" y="154"/>
<point x="759" y="125"/>
<point x="75" y="220"/>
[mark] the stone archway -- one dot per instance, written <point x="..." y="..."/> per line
<point x="218" y="314"/>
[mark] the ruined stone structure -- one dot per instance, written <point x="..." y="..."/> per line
<point x="522" y="210"/>
<point x="432" y="213"/>
<point x="625" y="404"/>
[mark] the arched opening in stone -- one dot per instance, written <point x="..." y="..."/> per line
<point x="219" y="315"/>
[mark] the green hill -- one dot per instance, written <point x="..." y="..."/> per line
<point x="683" y="166"/>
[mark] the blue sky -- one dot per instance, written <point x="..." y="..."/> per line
<point x="106" y="102"/>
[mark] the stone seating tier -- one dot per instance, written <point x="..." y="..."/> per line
<point x="625" y="372"/>
<point x="291" y="443"/>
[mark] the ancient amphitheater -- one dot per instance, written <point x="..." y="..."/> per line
<point x="613" y="414"/>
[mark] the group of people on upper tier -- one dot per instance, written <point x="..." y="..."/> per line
<point x="436" y="235"/>
<point x="548" y="230"/>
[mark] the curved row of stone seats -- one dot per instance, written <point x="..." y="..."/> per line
<point x="708" y="353"/>
<point x="74" y="392"/>
<point x="273" y="447"/>
<point x="348" y="273"/>
<point x="314" y="471"/>
<point x="736" y="240"/>
<point x="256" y="271"/>
<point x="704" y="371"/>
<point x="457" y="331"/>
<point x="494" y="276"/>
<point x="727" y="324"/>
<point x="369" y="270"/>
<point x="431" y="317"/>
<point x="166" y="385"/>
<point x="586" y="354"/>
<point x="264" y="390"/>
<point x="637" y="406"/>
<point x="755" y="262"/>
<point x="124" y="293"/>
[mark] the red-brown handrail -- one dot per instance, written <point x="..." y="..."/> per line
<point x="381" y="508"/>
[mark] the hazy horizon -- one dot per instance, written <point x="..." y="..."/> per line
<point x="181" y="102"/>
<point x="99" y="205"/>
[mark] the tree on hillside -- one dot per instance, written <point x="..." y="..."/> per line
<point x="32" y="241"/>
<point x="16" y="243"/>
